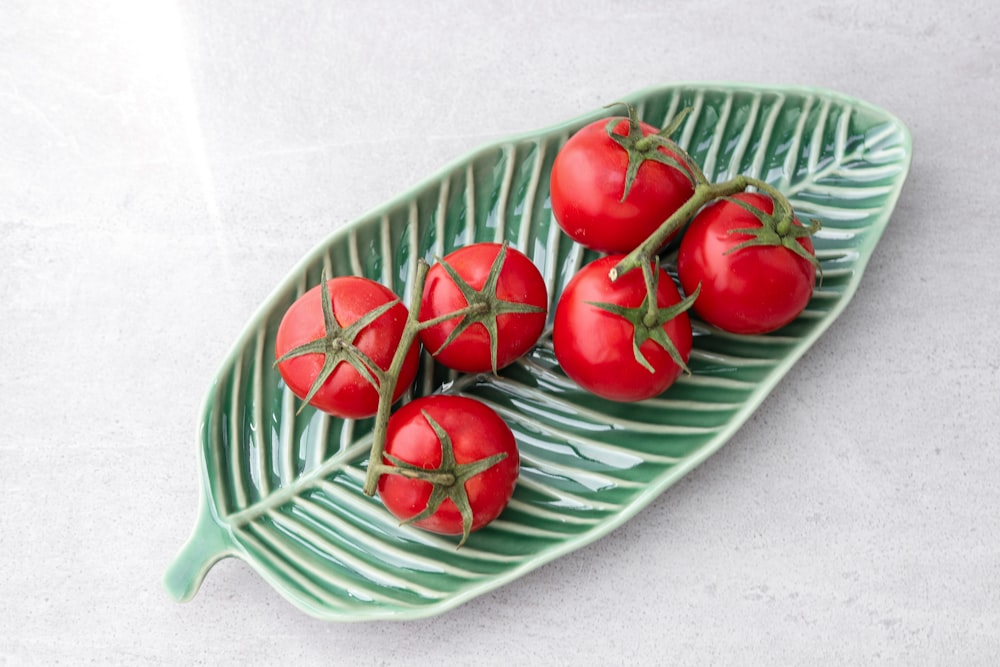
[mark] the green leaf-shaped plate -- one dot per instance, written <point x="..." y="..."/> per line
<point x="283" y="491"/>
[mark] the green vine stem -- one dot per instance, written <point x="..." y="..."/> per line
<point x="705" y="193"/>
<point x="650" y="276"/>
<point x="387" y="381"/>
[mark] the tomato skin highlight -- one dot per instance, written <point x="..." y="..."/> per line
<point x="520" y="281"/>
<point x="594" y="347"/>
<point x="476" y="432"/>
<point x="346" y="393"/>
<point x="753" y="290"/>
<point x="587" y="183"/>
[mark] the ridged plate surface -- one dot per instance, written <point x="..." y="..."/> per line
<point x="283" y="491"/>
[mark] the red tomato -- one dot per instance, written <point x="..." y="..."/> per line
<point x="454" y="435"/>
<point x="595" y="347"/>
<point x="750" y="290"/>
<point x="510" y="294"/>
<point x="588" y="181"/>
<point x="352" y="300"/>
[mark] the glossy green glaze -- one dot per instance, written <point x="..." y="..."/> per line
<point x="283" y="491"/>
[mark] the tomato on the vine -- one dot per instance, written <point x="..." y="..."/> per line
<point x="755" y="277"/>
<point x="452" y="464"/>
<point x="609" y="339"/>
<point x="592" y="198"/>
<point x="500" y="301"/>
<point x="335" y="341"/>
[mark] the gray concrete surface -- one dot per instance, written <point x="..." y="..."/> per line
<point x="164" y="164"/>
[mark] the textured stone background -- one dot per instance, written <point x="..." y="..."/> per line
<point x="164" y="164"/>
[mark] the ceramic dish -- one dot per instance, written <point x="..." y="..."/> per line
<point x="283" y="491"/>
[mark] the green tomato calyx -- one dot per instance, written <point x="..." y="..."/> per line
<point x="337" y="345"/>
<point x="777" y="228"/>
<point x="483" y="307"/>
<point x="648" y="318"/>
<point x="448" y="479"/>
<point x="641" y="147"/>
